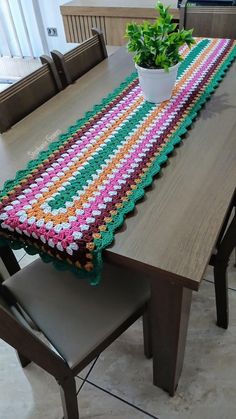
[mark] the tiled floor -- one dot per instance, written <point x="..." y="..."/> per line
<point x="120" y="383"/>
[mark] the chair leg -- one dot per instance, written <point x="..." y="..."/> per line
<point x="23" y="360"/>
<point x="69" y="399"/>
<point x="235" y="247"/>
<point x="221" y="260"/>
<point x="147" y="334"/>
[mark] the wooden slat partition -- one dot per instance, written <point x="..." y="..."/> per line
<point x="111" y="18"/>
<point x="212" y="21"/>
<point x="78" y="28"/>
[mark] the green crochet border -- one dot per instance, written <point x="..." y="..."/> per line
<point x="107" y="236"/>
<point x="117" y="220"/>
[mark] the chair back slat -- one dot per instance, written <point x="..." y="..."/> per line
<point x="81" y="59"/>
<point x="209" y="21"/>
<point x="20" y="337"/>
<point x="21" y="98"/>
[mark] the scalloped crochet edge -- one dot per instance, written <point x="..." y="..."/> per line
<point x="147" y="180"/>
<point x="117" y="221"/>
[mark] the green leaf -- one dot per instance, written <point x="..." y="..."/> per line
<point x="156" y="45"/>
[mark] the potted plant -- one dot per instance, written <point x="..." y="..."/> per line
<point x="156" y="53"/>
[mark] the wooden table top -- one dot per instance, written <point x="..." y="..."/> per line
<point x="175" y="227"/>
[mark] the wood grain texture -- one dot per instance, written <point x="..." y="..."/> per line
<point x="169" y="332"/>
<point x="212" y="21"/>
<point x="66" y="28"/>
<point x="115" y="30"/>
<point x="22" y="97"/>
<point x="80" y="59"/>
<point x="111" y="18"/>
<point x="78" y="28"/>
<point x="174" y="229"/>
<point x="118" y="8"/>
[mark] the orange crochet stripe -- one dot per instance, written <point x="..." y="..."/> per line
<point x="91" y="189"/>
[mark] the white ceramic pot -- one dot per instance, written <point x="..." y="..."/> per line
<point x="157" y="84"/>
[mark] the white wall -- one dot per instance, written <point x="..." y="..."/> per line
<point x="51" y="17"/>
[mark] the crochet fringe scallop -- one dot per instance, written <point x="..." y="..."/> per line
<point x="67" y="203"/>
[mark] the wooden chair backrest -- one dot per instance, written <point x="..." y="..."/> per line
<point x="81" y="59"/>
<point x="18" y="335"/>
<point x="21" y="98"/>
<point x="209" y="21"/>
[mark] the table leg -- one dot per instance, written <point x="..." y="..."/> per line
<point x="170" y="309"/>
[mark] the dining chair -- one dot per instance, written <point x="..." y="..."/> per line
<point x="208" y="21"/>
<point x="78" y="320"/>
<point x="81" y="59"/>
<point x="27" y="94"/>
<point x="220" y="258"/>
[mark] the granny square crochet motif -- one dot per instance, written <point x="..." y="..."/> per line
<point x="67" y="204"/>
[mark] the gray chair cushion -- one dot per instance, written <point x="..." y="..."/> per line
<point x="75" y="316"/>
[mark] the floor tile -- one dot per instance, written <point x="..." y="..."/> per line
<point x="231" y="273"/>
<point x="33" y="394"/>
<point x="27" y="259"/>
<point x="85" y="371"/>
<point x="26" y="394"/>
<point x="207" y="386"/>
<point x="19" y="254"/>
<point x="96" y="404"/>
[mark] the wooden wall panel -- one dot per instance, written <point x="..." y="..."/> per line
<point x="78" y="28"/>
<point x="79" y="18"/>
<point x="212" y="21"/>
<point x="115" y="29"/>
<point x="66" y="27"/>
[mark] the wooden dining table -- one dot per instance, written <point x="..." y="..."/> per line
<point x="172" y="233"/>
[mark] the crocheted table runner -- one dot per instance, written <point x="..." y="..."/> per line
<point x="68" y="202"/>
